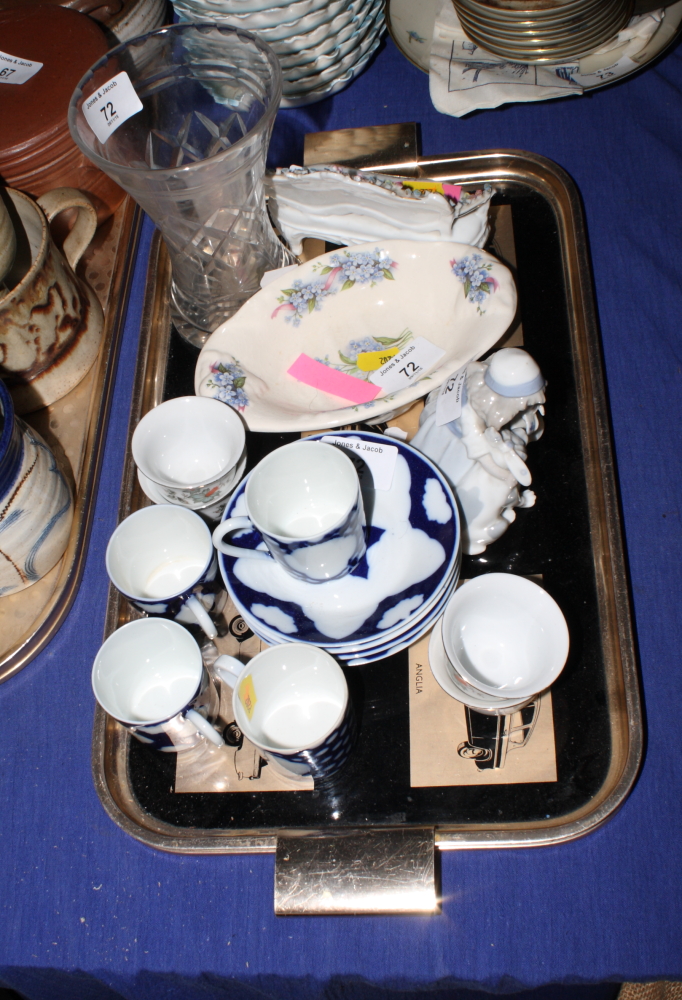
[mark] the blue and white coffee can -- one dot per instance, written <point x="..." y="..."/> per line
<point x="305" y="500"/>
<point x="162" y="559"/>
<point x="291" y="702"/>
<point x="149" y="675"/>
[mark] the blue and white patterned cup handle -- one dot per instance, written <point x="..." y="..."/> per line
<point x="204" y="727"/>
<point x="194" y="605"/>
<point x="228" y="669"/>
<point x="236" y="524"/>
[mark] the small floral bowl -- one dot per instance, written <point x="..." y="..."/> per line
<point x="191" y="450"/>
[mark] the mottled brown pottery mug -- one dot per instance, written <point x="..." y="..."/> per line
<point x="50" y="321"/>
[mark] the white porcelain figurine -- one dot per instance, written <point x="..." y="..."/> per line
<point x="482" y="452"/>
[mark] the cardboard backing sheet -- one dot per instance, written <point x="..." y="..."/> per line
<point x="449" y="743"/>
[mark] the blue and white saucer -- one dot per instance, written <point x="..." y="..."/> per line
<point x="411" y="558"/>
<point x="405" y="633"/>
<point x="397" y="644"/>
<point x="381" y="651"/>
<point x="381" y="640"/>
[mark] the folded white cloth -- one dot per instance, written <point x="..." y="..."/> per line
<point x="347" y="207"/>
<point x="464" y="77"/>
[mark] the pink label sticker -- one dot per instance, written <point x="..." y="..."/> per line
<point x="453" y="190"/>
<point x="320" y="376"/>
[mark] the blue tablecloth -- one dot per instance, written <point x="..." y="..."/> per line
<point x="84" y="907"/>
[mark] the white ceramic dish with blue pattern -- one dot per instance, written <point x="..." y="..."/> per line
<point x="404" y="643"/>
<point x="412" y="554"/>
<point x="410" y="627"/>
<point x="373" y="654"/>
<point x="295" y="356"/>
<point x="409" y="632"/>
<point x="403" y="616"/>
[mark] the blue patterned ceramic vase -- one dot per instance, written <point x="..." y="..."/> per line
<point x="36" y="506"/>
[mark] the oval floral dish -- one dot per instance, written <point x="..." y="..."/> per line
<point x="337" y="319"/>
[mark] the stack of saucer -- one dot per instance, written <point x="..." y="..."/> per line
<point x="542" y="31"/>
<point x="321" y="44"/>
<point x="393" y="595"/>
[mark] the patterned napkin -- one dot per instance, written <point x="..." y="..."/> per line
<point x="464" y="77"/>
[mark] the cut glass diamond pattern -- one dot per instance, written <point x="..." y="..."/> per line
<point x="204" y="144"/>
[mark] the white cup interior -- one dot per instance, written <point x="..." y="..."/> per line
<point x="300" y="697"/>
<point x="505" y="635"/>
<point x="147" y="671"/>
<point x="302" y="490"/>
<point x="158" y="552"/>
<point x="188" y="441"/>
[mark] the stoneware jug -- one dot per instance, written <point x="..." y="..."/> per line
<point x="50" y="321"/>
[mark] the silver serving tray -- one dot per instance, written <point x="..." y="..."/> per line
<point x="502" y="168"/>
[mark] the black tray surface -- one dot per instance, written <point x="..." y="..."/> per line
<point x="551" y="539"/>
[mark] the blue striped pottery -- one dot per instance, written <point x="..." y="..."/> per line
<point x="36" y="506"/>
<point x="316" y="529"/>
<point x="162" y="559"/>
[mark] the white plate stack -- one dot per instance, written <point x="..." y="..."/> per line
<point x="542" y="31"/>
<point x="321" y="44"/>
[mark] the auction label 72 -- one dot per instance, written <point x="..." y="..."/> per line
<point x="110" y="105"/>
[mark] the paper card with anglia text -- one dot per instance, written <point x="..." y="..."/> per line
<point x="450" y="745"/>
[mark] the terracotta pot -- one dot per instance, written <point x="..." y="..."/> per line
<point x="37" y="153"/>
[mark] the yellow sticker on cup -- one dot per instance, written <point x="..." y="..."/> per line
<point x="370" y="361"/>
<point x="247" y="695"/>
